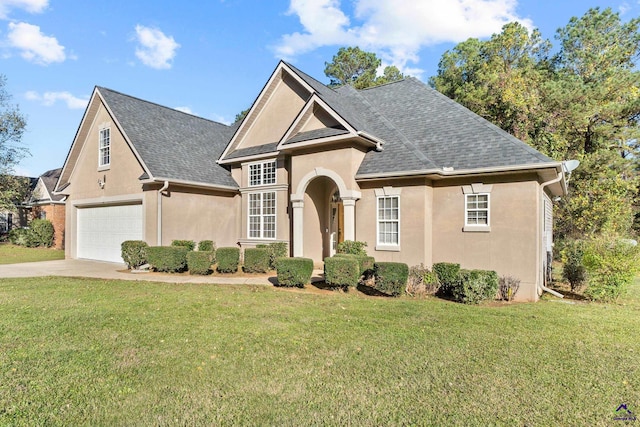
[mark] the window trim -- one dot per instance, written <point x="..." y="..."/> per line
<point x="477" y="189"/>
<point x="262" y="215"/>
<point x="106" y="147"/>
<point x="262" y="174"/>
<point x="384" y="245"/>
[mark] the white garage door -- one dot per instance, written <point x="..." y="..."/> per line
<point x="102" y="230"/>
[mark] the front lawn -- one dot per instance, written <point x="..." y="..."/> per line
<point x="12" y="254"/>
<point x="97" y="352"/>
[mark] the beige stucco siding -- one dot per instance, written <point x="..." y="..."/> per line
<point x="343" y="161"/>
<point x="512" y="245"/>
<point x="190" y="214"/>
<point x="415" y="221"/>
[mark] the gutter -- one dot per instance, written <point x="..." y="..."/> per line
<point x="544" y="184"/>
<point x="163" y="188"/>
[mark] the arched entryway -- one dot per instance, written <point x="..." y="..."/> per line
<point x="323" y="214"/>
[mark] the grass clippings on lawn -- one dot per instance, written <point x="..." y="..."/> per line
<point x="98" y="352"/>
<point x="13" y="254"/>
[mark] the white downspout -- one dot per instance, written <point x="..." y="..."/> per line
<point x="163" y="188"/>
<point x="544" y="184"/>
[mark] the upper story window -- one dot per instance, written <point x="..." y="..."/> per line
<point x="262" y="173"/>
<point x="104" y="147"/>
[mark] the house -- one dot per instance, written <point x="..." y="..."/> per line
<point x="44" y="204"/>
<point x="417" y="176"/>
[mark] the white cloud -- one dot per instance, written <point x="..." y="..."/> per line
<point x="184" y="110"/>
<point x="35" y="46"/>
<point x="395" y="29"/>
<point x="155" y="49"/>
<point x="31" y="6"/>
<point x="50" y="98"/>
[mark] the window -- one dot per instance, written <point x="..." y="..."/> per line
<point x="262" y="215"/>
<point x="104" y="154"/>
<point x="4" y="223"/>
<point x="389" y="220"/>
<point x="477" y="209"/>
<point x="263" y="173"/>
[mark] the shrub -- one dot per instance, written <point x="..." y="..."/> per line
<point x="422" y="281"/>
<point x="294" y="271"/>
<point x="134" y="253"/>
<point x="365" y="262"/>
<point x="352" y="247"/>
<point x="573" y="270"/>
<point x="40" y="233"/>
<point x="341" y="271"/>
<point x="18" y="236"/>
<point x="256" y="260"/>
<point x="189" y="244"/>
<point x="474" y="286"/>
<point x="171" y="259"/>
<point x="391" y="277"/>
<point x="508" y="287"/>
<point x="228" y="259"/>
<point x="276" y="250"/>
<point x="206" y="246"/>
<point x="611" y="264"/>
<point x="447" y="274"/>
<point x="199" y="262"/>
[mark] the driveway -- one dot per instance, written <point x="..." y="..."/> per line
<point x="107" y="270"/>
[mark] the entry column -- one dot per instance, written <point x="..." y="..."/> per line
<point x="298" y="228"/>
<point x="349" y="205"/>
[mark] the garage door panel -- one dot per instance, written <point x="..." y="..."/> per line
<point x="101" y="230"/>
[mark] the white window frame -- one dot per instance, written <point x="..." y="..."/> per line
<point x="104" y="145"/>
<point x="380" y="221"/>
<point x="266" y="173"/>
<point x="474" y="191"/>
<point x="262" y="216"/>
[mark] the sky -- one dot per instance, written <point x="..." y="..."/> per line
<point x="211" y="58"/>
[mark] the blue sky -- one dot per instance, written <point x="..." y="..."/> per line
<point x="211" y="58"/>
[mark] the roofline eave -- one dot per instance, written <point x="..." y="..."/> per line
<point x="187" y="183"/>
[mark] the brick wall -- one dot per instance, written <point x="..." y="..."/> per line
<point x="55" y="214"/>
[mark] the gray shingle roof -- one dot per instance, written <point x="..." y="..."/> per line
<point x="50" y="178"/>
<point x="315" y="134"/>
<point x="252" y="151"/>
<point x="172" y="144"/>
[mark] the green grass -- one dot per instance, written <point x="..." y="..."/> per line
<point x="96" y="352"/>
<point x="12" y="254"/>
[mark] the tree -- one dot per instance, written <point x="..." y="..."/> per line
<point x="357" y="68"/>
<point x="241" y="115"/>
<point x="12" y="126"/>
<point x="582" y="103"/>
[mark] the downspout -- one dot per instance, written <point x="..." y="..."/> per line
<point x="544" y="184"/>
<point x="163" y="188"/>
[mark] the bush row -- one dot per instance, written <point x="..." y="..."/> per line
<point x="39" y="233"/>
<point x="472" y="286"/>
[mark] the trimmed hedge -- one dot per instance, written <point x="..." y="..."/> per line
<point x="171" y="259"/>
<point x="276" y="250"/>
<point x="447" y="273"/>
<point x="40" y="233"/>
<point x="199" y="262"/>
<point x="134" y="253"/>
<point x="19" y="236"/>
<point x="228" y="259"/>
<point x="342" y="271"/>
<point x="206" y="246"/>
<point x="391" y="277"/>
<point x="294" y="271"/>
<point x="352" y="247"/>
<point x="256" y="260"/>
<point x="365" y="262"/>
<point x="189" y="244"/>
<point x="474" y="286"/>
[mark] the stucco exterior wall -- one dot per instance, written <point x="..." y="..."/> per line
<point x="198" y="214"/>
<point x="512" y="245"/>
<point x="120" y="177"/>
<point x="416" y="209"/>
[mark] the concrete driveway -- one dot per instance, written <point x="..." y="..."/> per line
<point x="107" y="270"/>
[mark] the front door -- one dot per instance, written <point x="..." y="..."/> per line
<point x="336" y="226"/>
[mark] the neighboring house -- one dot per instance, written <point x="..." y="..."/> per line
<point x="44" y="204"/>
<point x="417" y="176"/>
<point x="18" y="215"/>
